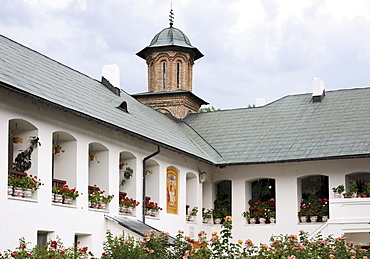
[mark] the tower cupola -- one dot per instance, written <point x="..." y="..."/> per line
<point x="170" y="58"/>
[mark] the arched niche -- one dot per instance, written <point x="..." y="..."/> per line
<point x="64" y="159"/>
<point x="152" y="180"/>
<point x="360" y="178"/>
<point x="222" y="198"/>
<point x="192" y="191"/>
<point x="99" y="166"/>
<point x="127" y="164"/>
<point x="22" y="130"/>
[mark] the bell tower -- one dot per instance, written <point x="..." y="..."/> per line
<point x="170" y="58"/>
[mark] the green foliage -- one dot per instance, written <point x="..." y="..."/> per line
<point x="127" y="174"/>
<point x="23" y="159"/>
<point x="52" y="249"/>
<point x="208" y="109"/>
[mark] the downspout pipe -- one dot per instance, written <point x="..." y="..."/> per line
<point x="144" y="179"/>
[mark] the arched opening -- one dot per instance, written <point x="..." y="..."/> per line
<point x="99" y="195"/>
<point x="152" y="187"/>
<point x="314" y="198"/>
<point x="192" y="207"/>
<point x="127" y="172"/>
<point x="64" y="164"/>
<point x="261" y="207"/>
<point x="23" y="159"/>
<point x="223" y="200"/>
<point x="357" y="184"/>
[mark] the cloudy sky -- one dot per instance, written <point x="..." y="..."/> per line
<point x="253" y="49"/>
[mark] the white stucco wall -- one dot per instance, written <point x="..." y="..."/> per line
<point x="23" y="218"/>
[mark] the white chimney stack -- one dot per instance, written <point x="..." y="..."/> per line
<point x="260" y="102"/>
<point x="318" y="90"/>
<point x="111" y="73"/>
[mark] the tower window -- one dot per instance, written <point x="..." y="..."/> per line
<point x="164" y="74"/>
<point x="178" y="75"/>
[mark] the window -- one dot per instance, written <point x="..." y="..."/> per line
<point x="178" y="75"/>
<point x="314" y="205"/>
<point x="261" y="201"/>
<point x="164" y="75"/>
<point x="41" y="238"/>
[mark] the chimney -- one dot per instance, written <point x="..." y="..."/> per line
<point x="318" y="92"/>
<point x="111" y="73"/>
<point x="260" y="102"/>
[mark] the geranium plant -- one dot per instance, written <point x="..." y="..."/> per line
<point x="338" y="189"/>
<point x="67" y="192"/>
<point x="29" y="182"/>
<point x="206" y="214"/>
<point x="150" y="205"/>
<point x="127" y="202"/>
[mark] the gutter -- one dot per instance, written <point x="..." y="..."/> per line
<point x="144" y="180"/>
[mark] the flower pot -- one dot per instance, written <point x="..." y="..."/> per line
<point x="57" y="150"/>
<point x="148" y="212"/>
<point x="18" y="192"/>
<point x="67" y="200"/>
<point x="252" y="221"/>
<point x="354" y="195"/>
<point x="27" y="193"/>
<point x="313" y="218"/>
<point x="303" y="219"/>
<point x="92" y="158"/>
<point x="16" y="140"/>
<point x="154" y="213"/>
<point x="102" y="206"/>
<point x="10" y="190"/>
<point x="191" y="218"/>
<point x="120" y="166"/>
<point x="122" y="209"/>
<point x="272" y="220"/>
<point x="217" y="221"/>
<point x="337" y="195"/>
<point x="324" y="218"/>
<point x="206" y="220"/>
<point x="93" y="204"/>
<point x="129" y="210"/>
<point x="58" y="198"/>
<point x="262" y="220"/>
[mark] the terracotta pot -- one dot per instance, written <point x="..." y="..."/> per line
<point x="303" y="219"/>
<point x="217" y="221"/>
<point x="67" y="200"/>
<point x="337" y="195"/>
<point x="262" y="220"/>
<point x="206" y="220"/>
<point x="101" y="206"/>
<point x="120" y="166"/>
<point x="16" y="140"/>
<point x="58" y="198"/>
<point x="18" y="192"/>
<point x="27" y="193"/>
<point x="10" y="190"/>
<point x="57" y="150"/>
<point x="313" y="218"/>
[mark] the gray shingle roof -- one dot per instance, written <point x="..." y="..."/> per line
<point x="288" y="129"/>
<point x="38" y="75"/>
<point x="292" y="128"/>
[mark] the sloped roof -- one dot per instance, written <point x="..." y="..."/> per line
<point x="291" y="129"/>
<point x="35" y="74"/>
